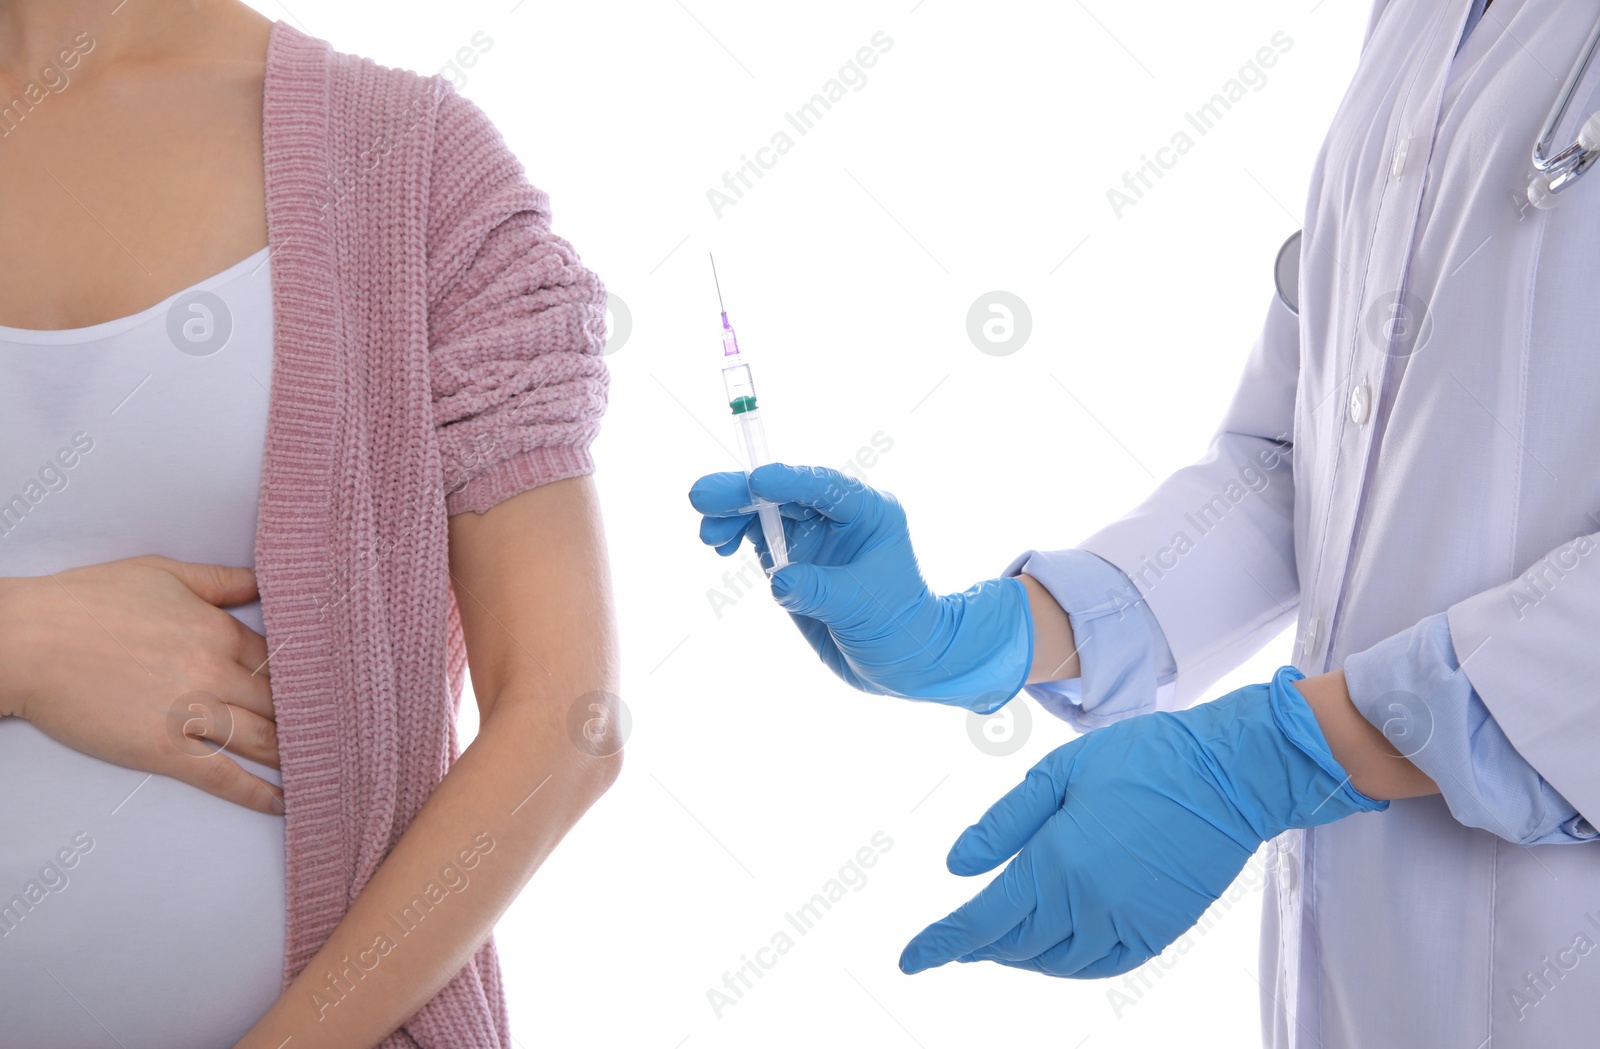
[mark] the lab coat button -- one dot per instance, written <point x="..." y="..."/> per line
<point x="1308" y="639"/>
<point x="1360" y="404"/>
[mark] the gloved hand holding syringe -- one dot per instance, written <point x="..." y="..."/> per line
<point x="747" y="417"/>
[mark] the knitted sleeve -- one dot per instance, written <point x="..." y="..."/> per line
<point x="516" y="324"/>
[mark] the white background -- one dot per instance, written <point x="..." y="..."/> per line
<point x="976" y="157"/>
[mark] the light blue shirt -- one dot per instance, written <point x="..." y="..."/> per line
<point x="1124" y="660"/>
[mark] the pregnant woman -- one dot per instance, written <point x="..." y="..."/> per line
<point x="297" y="388"/>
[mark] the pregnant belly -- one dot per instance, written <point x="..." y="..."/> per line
<point x="135" y="910"/>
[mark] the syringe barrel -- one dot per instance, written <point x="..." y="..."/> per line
<point x="772" y="530"/>
<point x="754" y="437"/>
<point x="740" y="385"/>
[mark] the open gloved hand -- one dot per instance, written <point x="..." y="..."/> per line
<point x="854" y="589"/>
<point x="1122" y="838"/>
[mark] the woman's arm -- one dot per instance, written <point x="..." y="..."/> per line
<point x="534" y="589"/>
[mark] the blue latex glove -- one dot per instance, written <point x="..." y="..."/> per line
<point x="1127" y="835"/>
<point x="854" y="589"/>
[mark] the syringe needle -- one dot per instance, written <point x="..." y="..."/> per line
<point x="717" y="282"/>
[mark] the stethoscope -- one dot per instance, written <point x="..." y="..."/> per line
<point x="1552" y="174"/>
<point x="1555" y="173"/>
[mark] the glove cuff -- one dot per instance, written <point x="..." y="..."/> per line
<point x="992" y="644"/>
<point x="1294" y="718"/>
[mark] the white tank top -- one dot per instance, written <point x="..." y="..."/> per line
<point x="134" y="907"/>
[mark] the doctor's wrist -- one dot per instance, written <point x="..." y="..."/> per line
<point x="1377" y="769"/>
<point x="1055" y="650"/>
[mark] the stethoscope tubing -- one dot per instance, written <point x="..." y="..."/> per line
<point x="1553" y="174"/>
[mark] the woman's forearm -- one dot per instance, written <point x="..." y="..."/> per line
<point x="514" y="793"/>
<point x="534" y="591"/>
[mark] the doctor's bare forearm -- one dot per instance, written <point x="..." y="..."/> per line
<point x="1055" y="652"/>
<point x="1376" y="768"/>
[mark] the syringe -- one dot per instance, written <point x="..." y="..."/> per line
<point x="747" y="418"/>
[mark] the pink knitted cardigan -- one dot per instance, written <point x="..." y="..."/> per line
<point x="436" y="350"/>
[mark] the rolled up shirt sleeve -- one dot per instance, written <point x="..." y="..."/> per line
<point x="1411" y="686"/>
<point x="1125" y="663"/>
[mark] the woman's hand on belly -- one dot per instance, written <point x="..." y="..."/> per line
<point x="136" y="663"/>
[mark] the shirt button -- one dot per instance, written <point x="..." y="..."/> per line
<point x="1397" y="163"/>
<point x="1360" y="404"/>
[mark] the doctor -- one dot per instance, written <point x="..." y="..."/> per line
<point x="1410" y="470"/>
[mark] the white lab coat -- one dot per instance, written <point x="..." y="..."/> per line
<point x="1434" y="472"/>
